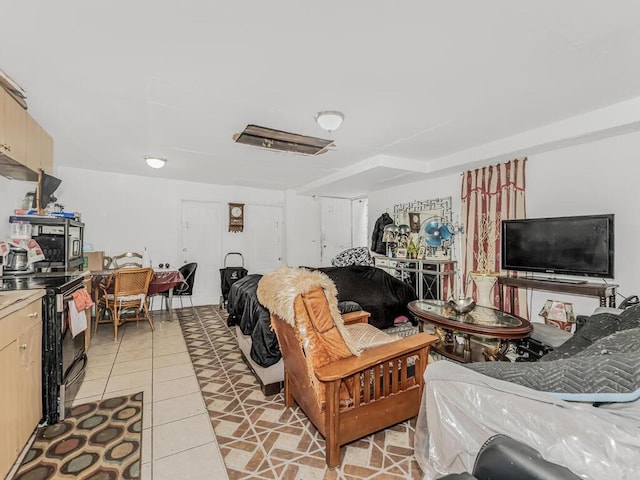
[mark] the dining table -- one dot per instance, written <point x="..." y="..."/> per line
<point x="163" y="280"/>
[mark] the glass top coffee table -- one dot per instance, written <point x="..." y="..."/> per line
<point x="481" y="322"/>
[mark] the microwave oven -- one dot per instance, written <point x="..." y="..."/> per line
<point x="58" y="246"/>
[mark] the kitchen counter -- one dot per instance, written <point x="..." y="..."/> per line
<point x="12" y="301"/>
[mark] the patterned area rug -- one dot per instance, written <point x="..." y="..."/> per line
<point x="261" y="439"/>
<point x="97" y="441"/>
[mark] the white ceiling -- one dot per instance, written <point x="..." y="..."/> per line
<point x="418" y="81"/>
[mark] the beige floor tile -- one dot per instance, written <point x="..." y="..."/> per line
<point x="177" y="408"/>
<point x="145" y="471"/>
<point x="136" y="337"/>
<point x="94" y="372"/>
<point x="134" y="355"/>
<point x="91" y="388"/>
<point x="171" y="340"/>
<point x="121" y="368"/>
<point x="135" y="331"/>
<point x="129" y="380"/>
<point x="135" y="345"/>
<point x="104" y="337"/>
<point x="182" y="435"/>
<point x="172" y="372"/>
<point x="169" y="349"/>
<point x="171" y="359"/>
<point x="181" y="443"/>
<point x="147" y="414"/>
<point x="175" y="388"/>
<point x="147" y="437"/>
<point x="100" y="360"/>
<point x="80" y="401"/>
<point x="203" y="462"/>
<point x="103" y="348"/>
<point x="147" y="398"/>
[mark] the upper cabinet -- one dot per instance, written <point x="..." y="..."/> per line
<point x="39" y="147"/>
<point x="25" y="147"/>
<point x="13" y="137"/>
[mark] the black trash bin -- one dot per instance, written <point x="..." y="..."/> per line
<point x="229" y="276"/>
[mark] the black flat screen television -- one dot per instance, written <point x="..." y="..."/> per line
<point x="581" y="245"/>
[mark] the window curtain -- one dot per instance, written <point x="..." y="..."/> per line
<point x="489" y="195"/>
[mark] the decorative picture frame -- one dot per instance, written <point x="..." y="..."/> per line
<point x="422" y="251"/>
<point x="404" y="213"/>
<point x="416" y="214"/>
<point x="401" y="253"/>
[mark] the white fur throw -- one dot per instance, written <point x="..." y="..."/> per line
<point x="277" y="291"/>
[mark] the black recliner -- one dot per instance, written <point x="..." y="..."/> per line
<point x="503" y="458"/>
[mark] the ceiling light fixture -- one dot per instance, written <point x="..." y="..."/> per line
<point x="155" y="162"/>
<point x="329" y="120"/>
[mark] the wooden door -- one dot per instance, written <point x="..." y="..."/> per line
<point x="202" y="243"/>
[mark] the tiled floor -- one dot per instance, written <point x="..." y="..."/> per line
<point x="178" y="440"/>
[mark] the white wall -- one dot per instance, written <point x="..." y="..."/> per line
<point x="12" y="194"/>
<point x="598" y="177"/>
<point x="126" y="213"/>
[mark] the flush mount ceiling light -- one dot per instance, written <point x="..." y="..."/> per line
<point x="155" y="162"/>
<point x="329" y="120"/>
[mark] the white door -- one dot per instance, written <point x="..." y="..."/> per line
<point x="202" y="243"/>
<point x="335" y="227"/>
<point x="264" y="229"/>
<point x="360" y="221"/>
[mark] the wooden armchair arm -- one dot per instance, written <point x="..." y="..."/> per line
<point x="374" y="356"/>
<point x="359" y="316"/>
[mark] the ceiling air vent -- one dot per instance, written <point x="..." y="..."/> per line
<point x="280" y="141"/>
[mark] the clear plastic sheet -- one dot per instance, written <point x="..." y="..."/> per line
<point x="461" y="409"/>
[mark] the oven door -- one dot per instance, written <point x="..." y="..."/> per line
<point x="74" y="357"/>
<point x="74" y="361"/>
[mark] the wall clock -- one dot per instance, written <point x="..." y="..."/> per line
<point x="236" y="217"/>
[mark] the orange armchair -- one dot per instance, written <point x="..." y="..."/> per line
<point x="346" y="389"/>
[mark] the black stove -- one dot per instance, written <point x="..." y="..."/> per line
<point x="59" y="282"/>
<point x="63" y="356"/>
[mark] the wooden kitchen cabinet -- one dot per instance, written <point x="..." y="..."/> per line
<point x="13" y="129"/>
<point x="20" y="375"/>
<point x="39" y="154"/>
<point x="25" y="147"/>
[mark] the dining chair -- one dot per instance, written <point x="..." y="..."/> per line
<point x="185" y="289"/>
<point x="124" y="296"/>
<point x="127" y="259"/>
<point x="107" y="262"/>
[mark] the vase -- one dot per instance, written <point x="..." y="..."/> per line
<point x="484" y="286"/>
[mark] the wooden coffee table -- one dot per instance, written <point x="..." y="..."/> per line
<point x="480" y="322"/>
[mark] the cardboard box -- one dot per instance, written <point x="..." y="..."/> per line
<point x="93" y="261"/>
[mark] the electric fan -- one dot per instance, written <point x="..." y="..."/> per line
<point x="436" y="233"/>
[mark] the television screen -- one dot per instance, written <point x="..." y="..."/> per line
<point x="580" y="245"/>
